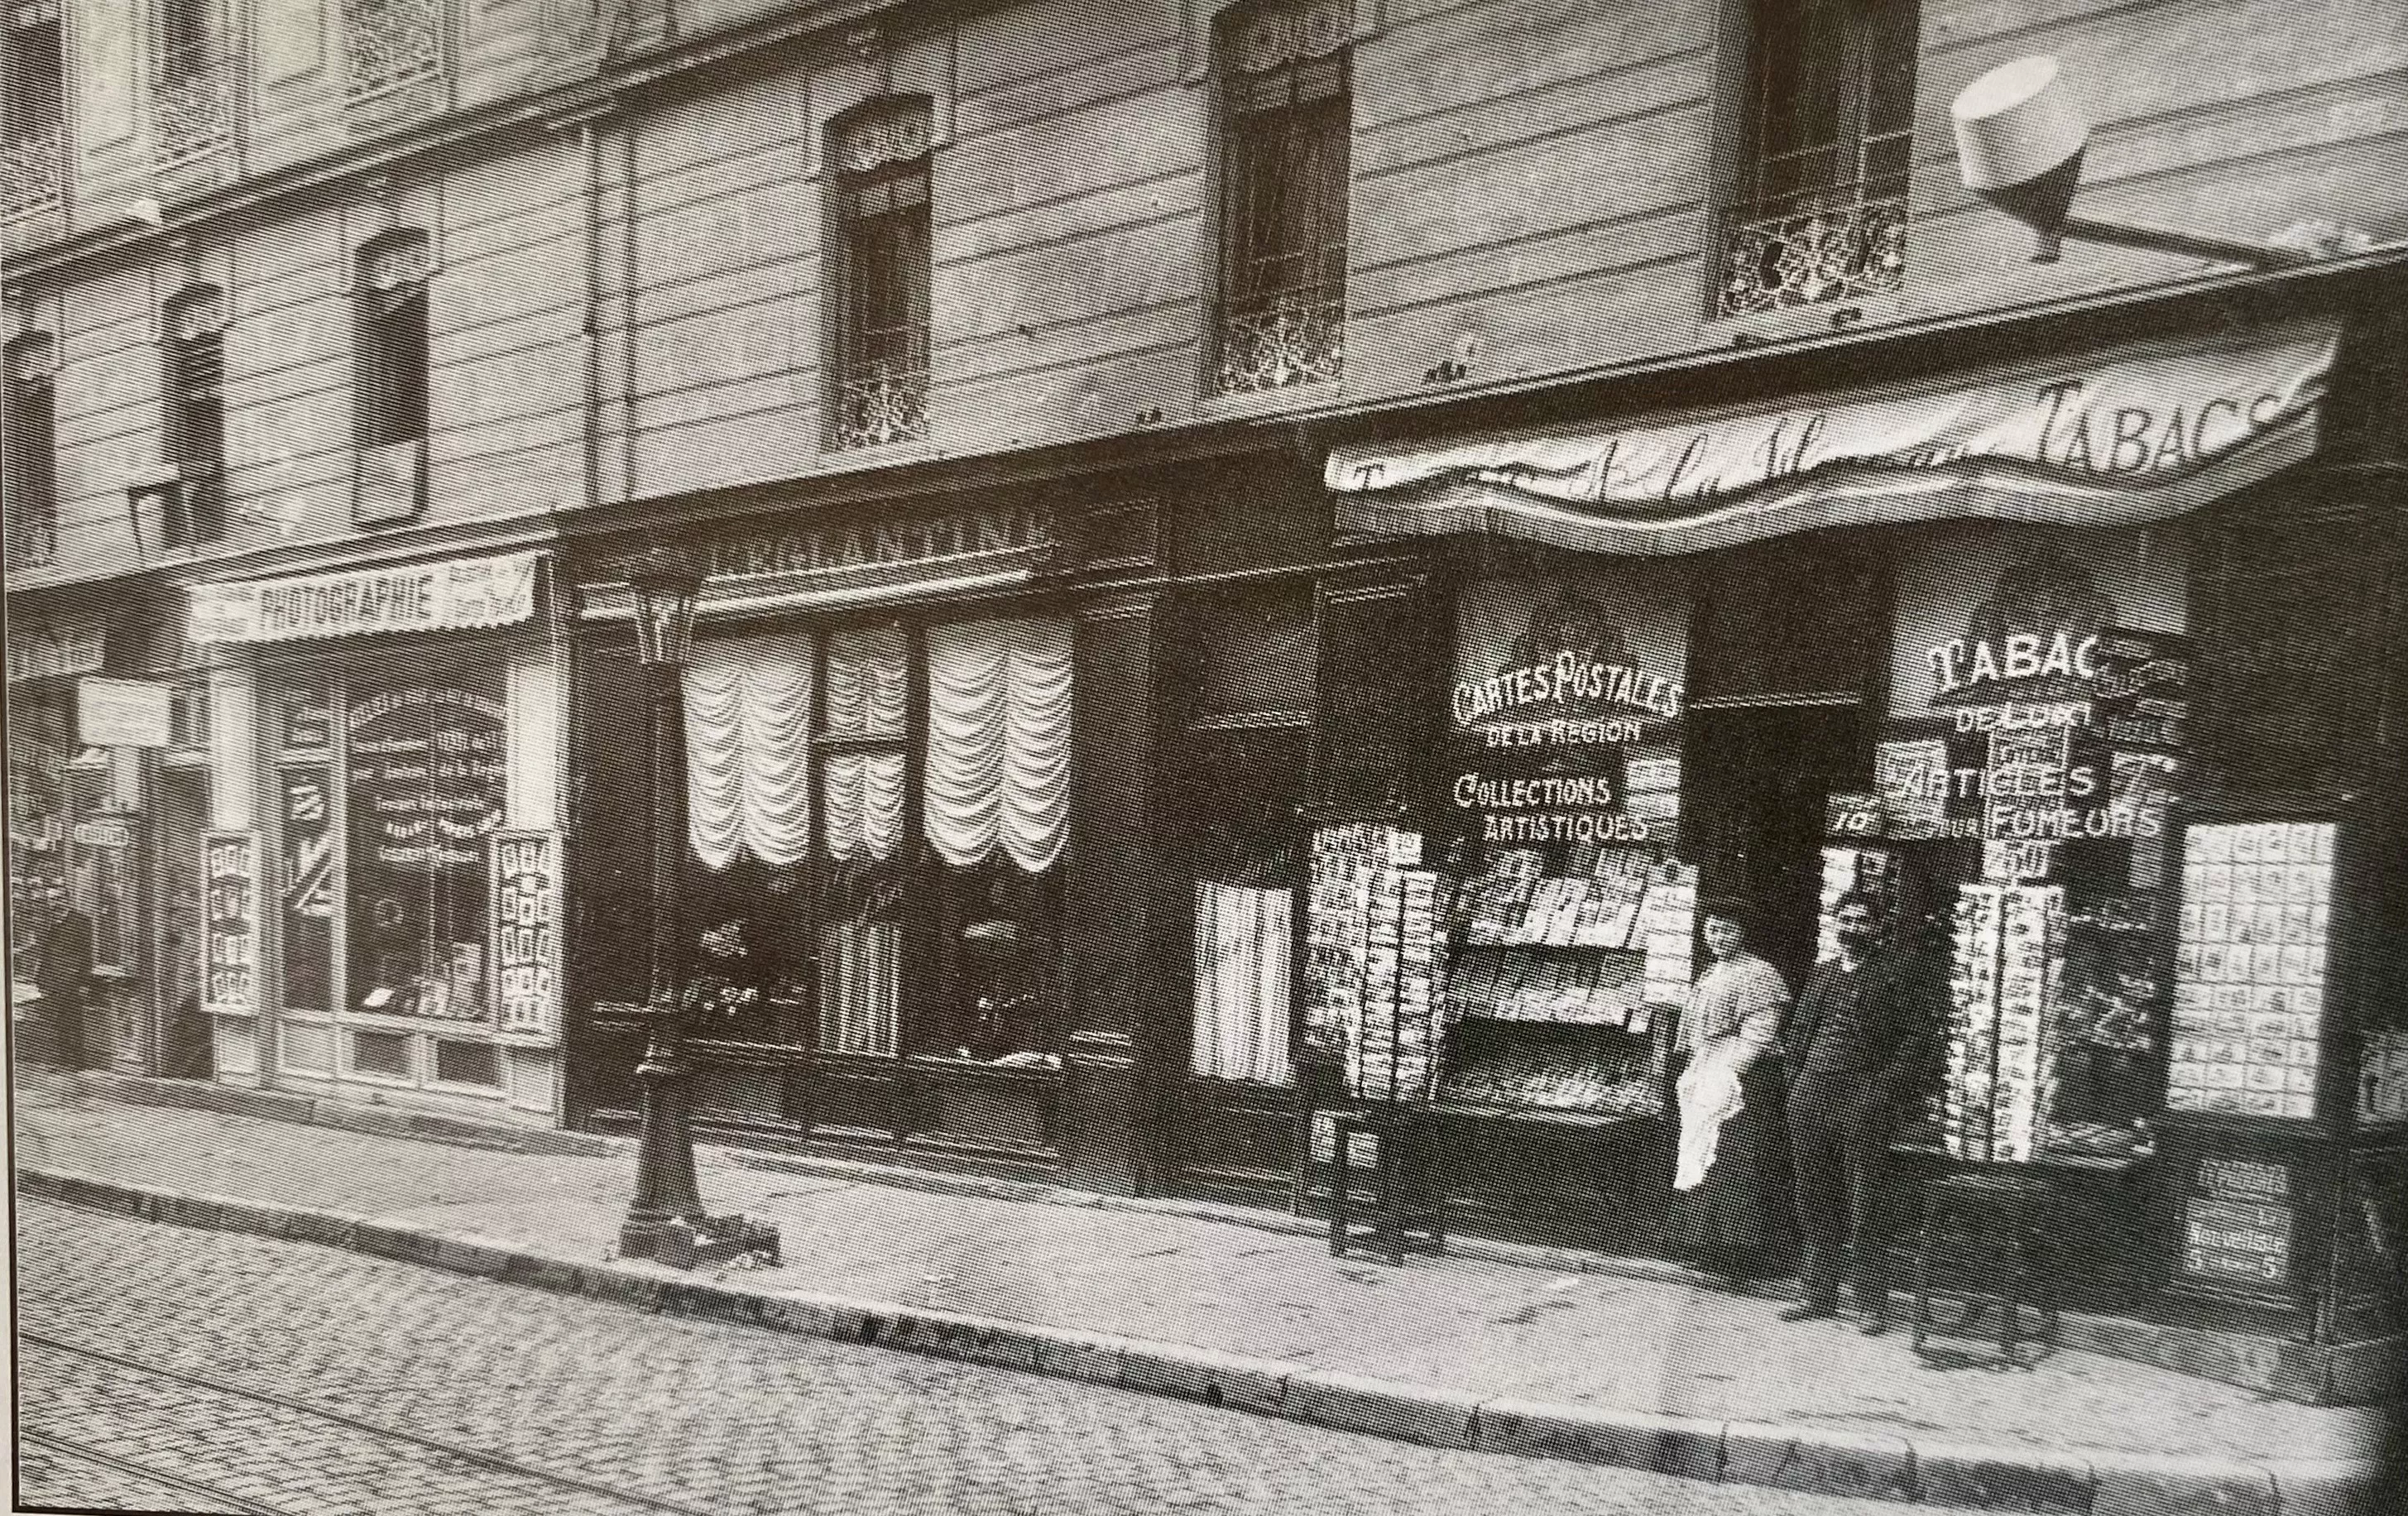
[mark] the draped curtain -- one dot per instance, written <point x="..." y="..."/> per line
<point x="748" y="722"/>
<point x="1244" y="939"/>
<point x="999" y="769"/>
<point x="865" y="805"/>
<point x="867" y="674"/>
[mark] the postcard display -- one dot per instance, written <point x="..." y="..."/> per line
<point x="2249" y="968"/>
<point x="1375" y="950"/>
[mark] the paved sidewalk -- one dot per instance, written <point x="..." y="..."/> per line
<point x="1470" y="1333"/>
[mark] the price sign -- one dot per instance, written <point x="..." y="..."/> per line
<point x="1853" y="816"/>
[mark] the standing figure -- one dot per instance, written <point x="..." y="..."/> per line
<point x="1855" y="1049"/>
<point x="65" y="980"/>
<point x="1732" y="1219"/>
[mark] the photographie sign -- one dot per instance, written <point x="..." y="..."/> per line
<point x="456" y="595"/>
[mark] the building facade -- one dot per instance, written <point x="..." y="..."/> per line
<point x="1155" y="461"/>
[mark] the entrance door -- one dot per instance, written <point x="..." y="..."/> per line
<point x="182" y="816"/>
<point x="1759" y="777"/>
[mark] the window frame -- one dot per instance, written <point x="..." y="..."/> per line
<point x="932" y="902"/>
<point x="29" y="409"/>
<point x="884" y="152"/>
<point x="1802" y="240"/>
<point x="191" y="374"/>
<point x="1272" y="332"/>
<point x="392" y="350"/>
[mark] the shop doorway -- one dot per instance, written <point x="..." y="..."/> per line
<point x="183" y="1031"/>
<point x="1758" y="777"/>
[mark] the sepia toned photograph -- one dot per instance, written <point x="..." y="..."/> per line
<point x="1206" y="757"/>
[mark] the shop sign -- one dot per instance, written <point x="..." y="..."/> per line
<point x="124" y="713"/>
<point x="110" y="832"/>
<point x="855" y="551"/>
<point x="2237" y="1224"/>
<point x="462" y="593"/>
<point x="2125" y="437"/>
<point x="54" y="650"/>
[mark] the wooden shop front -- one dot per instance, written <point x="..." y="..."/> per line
<point x="2082" y="665"/>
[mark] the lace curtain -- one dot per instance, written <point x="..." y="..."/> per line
<point x="998" y="769"/>
<point x="1244" y="939"/>
<point x="748" y="722"/>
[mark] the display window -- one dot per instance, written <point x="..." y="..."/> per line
<point x="878" y="814"/>
<point x="1249" y="666"/>
<point x="1570" y="914"/>
<point x="2020" y="825"/>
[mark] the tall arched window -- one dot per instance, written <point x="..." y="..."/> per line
<point x="882" y="241"/>
<point x="192" y="379"/>
<point x="29" y="448"/>
<point x="1286" y="114"/>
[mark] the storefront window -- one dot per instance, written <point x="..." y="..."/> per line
<point x="424" y="794"/>
<point x="2036" y="739"/>
<point x="870" y="865"/>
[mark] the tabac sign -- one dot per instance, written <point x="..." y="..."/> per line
<point x="2109" y="438"/>
<point x="457" y="595"/>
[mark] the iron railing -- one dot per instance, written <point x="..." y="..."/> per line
<point x="389" y="43"/>
<point x="32" y="172"/>
<point x="1838" y="244"/>
<point x="879" y="403"/>
<point x="192" y="110"/>
<point x="1286" y="337"/>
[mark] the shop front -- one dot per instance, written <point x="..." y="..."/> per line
<point x="893" y="840"/>
<point x="381" y="867"/>
<point x="2073" y="664"/>
<point x="108" y="727"/>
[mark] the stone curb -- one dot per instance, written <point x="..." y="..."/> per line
<point x="1822" y="1461"/>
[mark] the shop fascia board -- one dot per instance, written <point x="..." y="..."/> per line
<point x="607" y="92"/>
<point x="420" y="543"/>
<point x="1815" y="360"/>
<point x="925" y="480"/>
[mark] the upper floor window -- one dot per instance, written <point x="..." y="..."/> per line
<point x="881" y="338"/>
<point x="1819" y="208"/>
<point x="192" y="364"/>
<point x="387" y="43"/>
<point x="1287" y="99"/>
<point x="33" y="142"/>
<point x="390" y="341"/>
<point x="189" y="94"/>
<point x="28" y="449"/>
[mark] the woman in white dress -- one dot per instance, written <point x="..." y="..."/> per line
<point x="1736" y="1222"/>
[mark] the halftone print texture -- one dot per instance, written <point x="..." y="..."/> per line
<point x="1028" y="757"/>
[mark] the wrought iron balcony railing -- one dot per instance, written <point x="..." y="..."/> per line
<point x="192" y="110"/>
<point x="32" y="172"/>
<point x="388" y="43"/>
<point x="1291" y="337"/>
<point x="881" y="403"/>
<point x="1836" y="245"/>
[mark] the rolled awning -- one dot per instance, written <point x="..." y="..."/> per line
<point x="2111" y="439"/>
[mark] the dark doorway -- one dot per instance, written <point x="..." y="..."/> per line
<point x="1758" y="777"/>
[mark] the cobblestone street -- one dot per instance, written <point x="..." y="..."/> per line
<point x="604" y="1409"/>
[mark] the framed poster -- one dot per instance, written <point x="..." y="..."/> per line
<point x="230" y="938"/>
<point x="526" y="931"/>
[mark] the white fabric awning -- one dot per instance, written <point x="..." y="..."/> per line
<point x="2112" y="438"/>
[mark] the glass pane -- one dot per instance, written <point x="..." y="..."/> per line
<point x="867" y="684"/>
<point x="306" y="886"/>
<point x="1001" y="927"/>
<point x="425" y="796"/>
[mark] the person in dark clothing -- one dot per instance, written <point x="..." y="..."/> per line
<point x="1855" y="1047"/>
<point x="64" y="979"/>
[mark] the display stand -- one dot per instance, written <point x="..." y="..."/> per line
<point x="1374" y="956"/>
<point x="2287" y="1168"/>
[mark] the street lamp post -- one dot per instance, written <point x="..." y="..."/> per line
<point x="666" y="1219"/>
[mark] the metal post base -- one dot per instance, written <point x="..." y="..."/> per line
<point x="699" y="1242"/>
